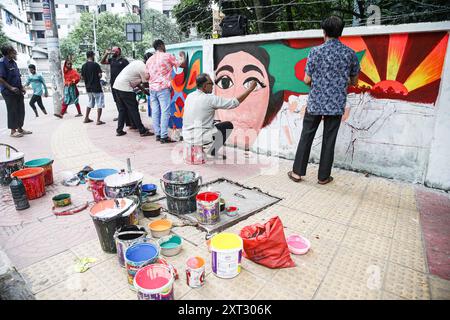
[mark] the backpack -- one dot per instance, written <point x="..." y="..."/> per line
<point x="235" y="25"/>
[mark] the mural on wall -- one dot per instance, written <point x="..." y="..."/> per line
<point x="183" y="83"/>
<point x="398" y="72"/>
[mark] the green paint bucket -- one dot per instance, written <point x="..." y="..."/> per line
<point x="44" y="163"/>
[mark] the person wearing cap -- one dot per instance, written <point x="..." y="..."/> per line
<point x="117" y="64"/>
<point x="133" y="77"/>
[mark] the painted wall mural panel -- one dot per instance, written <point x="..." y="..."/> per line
<point x="389" y="114"/>
<point x="183" y="83"/>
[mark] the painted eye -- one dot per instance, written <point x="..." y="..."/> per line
<point x="224" y="82"/>
<point x="259" y="84"/>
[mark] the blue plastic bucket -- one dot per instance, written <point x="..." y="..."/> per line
<point x="138" y="256"/>
<point x="100" y="174"/>
<point x="96" y="184"/>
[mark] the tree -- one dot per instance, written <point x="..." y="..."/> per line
<point x="159" y="26"/>
<point x="191" y="13"/>
<point x="287" y="15"/>
<point x="110" y="32"/>
<point x="3" y="38"/>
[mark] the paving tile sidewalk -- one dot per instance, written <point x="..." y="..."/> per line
<point x="372" y="238"/>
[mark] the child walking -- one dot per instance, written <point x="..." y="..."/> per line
<point x="38" y="85"/>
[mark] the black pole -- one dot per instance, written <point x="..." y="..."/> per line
<point x="134" y="40"/>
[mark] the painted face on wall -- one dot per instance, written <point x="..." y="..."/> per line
<point x="233" y="76"/>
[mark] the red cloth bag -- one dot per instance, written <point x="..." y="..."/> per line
<point x="266" y="244"/>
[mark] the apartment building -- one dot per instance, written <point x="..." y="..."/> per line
<point x="13" y="18"/>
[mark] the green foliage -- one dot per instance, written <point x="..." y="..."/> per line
<point x="3" y="38"/>
<point x="110" y="31"/>
<point x="283" y="15"/>
<point x="194" y="12"/>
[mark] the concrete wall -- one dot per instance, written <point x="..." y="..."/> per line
<point x="401" y="137"/>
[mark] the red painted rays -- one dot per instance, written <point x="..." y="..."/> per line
<point x="401" y="66"/>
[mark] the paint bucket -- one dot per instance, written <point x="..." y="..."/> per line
<point x="61" y="200"/>
<point x="33" y="181"/>
<point x="154" y="282"/>
<point x="10" y="161"/>
<point x="149" y="188"/>
<point x="181" y="188"/>
<point x="44" y="163"/>
<point x="208" y="207"/>
<point x="193" y="154"/>
<point x="195" y="272"/>
<point x="226" y="255"/>
<point x="96" y="182"/>
<point x="123" y="184"/>
<point x="137" y="256"/>
<point x="127" y="236"/>
<point x="110" y="215"/>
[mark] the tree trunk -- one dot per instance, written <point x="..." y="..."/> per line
<point x="262" y="13"/>
<point x="291" y="26"/>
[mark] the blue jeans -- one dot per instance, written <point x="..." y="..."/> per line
<point x="160" y="104"/>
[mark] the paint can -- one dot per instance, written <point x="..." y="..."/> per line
<point x="97" y="184"/>
<point x="154" y="282"/>
<point x="9" y="163"/>
<point x="226" y="255"/>
<point x="137" y="256"/>
<point x="110" y="215"/>
<point x="208" y="207"/>
<point x="193" y="154"/>
<point x="124" y="184"/>
<point x="127" y="236"/>
<point x="181" y="188"/>
<point x="33" y="181"/>
<point x="195" y="272"/>
<point x="44" y="163"/>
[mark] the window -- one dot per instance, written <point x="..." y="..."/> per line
<point x="123" y="5"/>
<point x="136" y="9"/>
<point x="167" y="13"/>
<point x="56" y="6"/>
<point x="36" y="0"/>
<point x="9" y="18"/>
<point x="102" y="8"/>
<point x="81" y="8"/>
<point x="59" y="26"/>
<point x="40" y="34"/>
<point x="112" y="5"/>
<point x="66" y="6"/>
<point x="38" y="16"/>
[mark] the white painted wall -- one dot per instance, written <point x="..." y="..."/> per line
<point x="438" y="172"/>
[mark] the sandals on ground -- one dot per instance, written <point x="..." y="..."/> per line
<point x="293" y="178"/>
<point x="16" y="134"/>
<point x="328" y="180"/>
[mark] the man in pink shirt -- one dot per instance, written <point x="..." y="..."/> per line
<point x="159" y="67"/>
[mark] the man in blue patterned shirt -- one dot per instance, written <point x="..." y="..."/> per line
<point x="330" y="69"/>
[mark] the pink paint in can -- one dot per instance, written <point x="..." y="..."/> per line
<point x="195" y="272"/>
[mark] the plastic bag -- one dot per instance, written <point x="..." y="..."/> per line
<point x="266" y="244"/>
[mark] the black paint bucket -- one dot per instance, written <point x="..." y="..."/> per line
<point x="181" y="188"/>
<point x="108" y="217"/>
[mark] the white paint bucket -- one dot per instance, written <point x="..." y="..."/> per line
<point x="226" y="255"/>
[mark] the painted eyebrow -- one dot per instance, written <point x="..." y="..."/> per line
<point x="251" y="67"/>
<point x="226" y="68"/>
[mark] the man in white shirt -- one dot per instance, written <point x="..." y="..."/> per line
<point x="198" y="115"/>
<point x="134" y="75"/>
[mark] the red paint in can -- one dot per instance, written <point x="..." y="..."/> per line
<point x="33" y="181"/>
